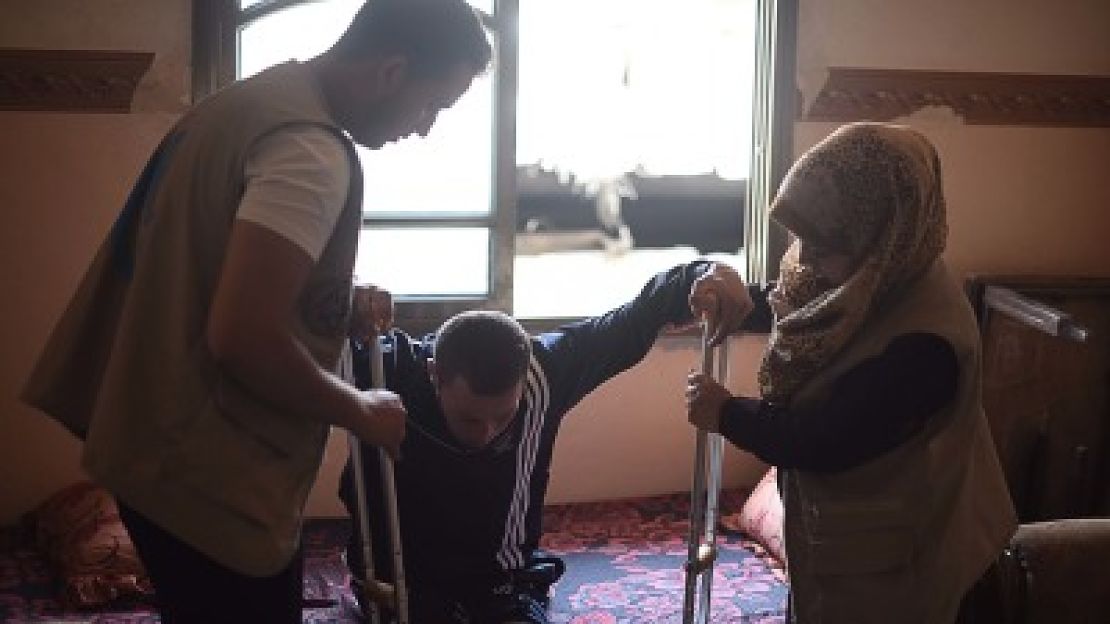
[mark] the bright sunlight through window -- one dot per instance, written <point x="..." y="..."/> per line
<point x="635" y="113"/>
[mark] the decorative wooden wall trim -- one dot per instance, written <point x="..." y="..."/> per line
<point x="982" y="98"/>
<point x="70" y="80"/>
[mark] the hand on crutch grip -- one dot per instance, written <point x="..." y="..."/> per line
<point x="375" y="592"/>
<point x="383" y="424"/>
<point x="705" y="396"/>
<point x="721" y="300"/>
<point x="383" y="421"/>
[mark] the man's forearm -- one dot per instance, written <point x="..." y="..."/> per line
<point x="249" y="335"/>
<point x="279" y="371"/>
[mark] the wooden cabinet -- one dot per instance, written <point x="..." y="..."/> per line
<point x="1047" y="396"/>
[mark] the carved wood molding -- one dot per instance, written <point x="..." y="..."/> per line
<point x="70" y="80"/>
<point x="981" y="98"/>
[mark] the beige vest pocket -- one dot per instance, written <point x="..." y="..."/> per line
<point x="240" y="471"/>
<point x="287" y="434"/>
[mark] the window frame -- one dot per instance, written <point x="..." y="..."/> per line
<point x="773" y="119"/>
<point x="215" y="53"/>
<point x="424" y="313"/>
<point x="215" y="64"/>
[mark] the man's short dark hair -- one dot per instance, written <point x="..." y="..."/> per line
<point x="489" y="349"/>
<point x="433" y="35"/>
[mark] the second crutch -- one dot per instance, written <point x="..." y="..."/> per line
<point x="375" y="592"/>
<point x="702" y="540"/>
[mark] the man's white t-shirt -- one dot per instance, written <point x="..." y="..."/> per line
<point x="297" y="179"/>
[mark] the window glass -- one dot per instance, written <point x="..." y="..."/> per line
<point x="633" y="144"/>
<point x="425" y="261"/>
<point x="299" y="32"/>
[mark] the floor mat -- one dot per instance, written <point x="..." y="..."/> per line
<point x="624" y="565"/>
<point x="29" y="592"/>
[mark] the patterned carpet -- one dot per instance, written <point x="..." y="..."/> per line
<point x="624" y="565"/>
<point x="29" y="592"/>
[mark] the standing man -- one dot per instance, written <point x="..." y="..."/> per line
<point x="196" y="356"/>
<point x="485" y="401"/>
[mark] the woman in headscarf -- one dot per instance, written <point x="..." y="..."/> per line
<point x="894" y="500"/>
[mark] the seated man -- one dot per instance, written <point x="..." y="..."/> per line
<point x="484" y="404"/>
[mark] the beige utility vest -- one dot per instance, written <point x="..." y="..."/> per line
<point x="128" y="368"/>
<point x="903" y="537"/>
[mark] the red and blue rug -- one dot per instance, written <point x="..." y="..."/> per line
<point x="624" y="565"/>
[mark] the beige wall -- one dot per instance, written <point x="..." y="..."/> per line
<point x="159" y="26"/>
<point x="64" y="178"/>
<point x="1036" y="36"/>
<point x="1021" y="200"/>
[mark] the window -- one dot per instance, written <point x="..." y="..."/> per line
<point x="633" y="144"/>
<point x="420" y="194"/>
<point x="631" y="149"/>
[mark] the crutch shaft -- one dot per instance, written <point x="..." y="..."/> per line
<point x="389" y="485"/>
<point x="702" y="548"/>
<point x="400" y="596"/>
<point x="697" y="519"/>
<point x="370" y="599"/>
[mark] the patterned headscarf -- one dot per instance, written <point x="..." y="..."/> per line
<point x="873" y="192"/>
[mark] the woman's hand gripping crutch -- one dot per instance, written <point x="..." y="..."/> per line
<point x="720" y="299"/>
<point x="374" y="315"/>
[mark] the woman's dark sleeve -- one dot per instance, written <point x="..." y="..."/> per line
<point x="875" y="406"/>
<point x="761" y="317"/>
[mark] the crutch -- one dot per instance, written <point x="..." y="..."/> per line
<point x="702" y="540"/>
<point x="375" y="592"/>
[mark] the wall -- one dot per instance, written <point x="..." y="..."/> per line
<point x="65" y="177"/>
<point x="136" y="25"/>
<point x="1020" y="199"/>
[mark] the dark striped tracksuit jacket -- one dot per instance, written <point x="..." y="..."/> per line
<point x="468" y="517"/>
